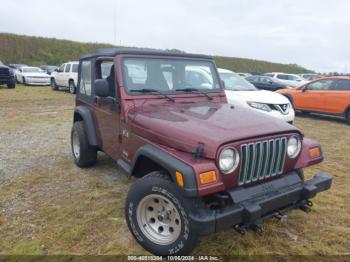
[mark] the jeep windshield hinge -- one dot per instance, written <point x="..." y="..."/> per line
<point x="198" y="152"/>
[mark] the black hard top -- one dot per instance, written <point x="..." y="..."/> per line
<point x="111" y="52"/>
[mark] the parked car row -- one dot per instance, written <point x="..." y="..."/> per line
<point x="65" y="76"/>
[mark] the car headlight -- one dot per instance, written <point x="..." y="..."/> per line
<point x="294" y="147"/>
<point x="259" y="106"/>
<point x="228" y="160"/>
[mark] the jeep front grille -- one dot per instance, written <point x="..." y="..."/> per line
<point x="262" y="160"/>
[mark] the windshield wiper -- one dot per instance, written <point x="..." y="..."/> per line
<point x="148" y="90"/>
<point x="194" y="90"/>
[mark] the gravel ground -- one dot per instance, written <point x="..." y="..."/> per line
<point x="49" y="206"/>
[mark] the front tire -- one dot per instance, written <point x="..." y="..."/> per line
<point x="24" y="81"/>
<point x="54" y="86"/>
<point x="11" y="84"/>
<point x="157" y="216"/>
<point x="84" y="154"/>
<point x="72" y="88"/>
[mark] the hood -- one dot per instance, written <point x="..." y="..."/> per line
<point x="4" y="66"/>
<point x="266" y="97"/>
<point x="35" y="74"/>
<point x="183" y="126"/>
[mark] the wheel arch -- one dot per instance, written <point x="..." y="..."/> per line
<point x="149" y="158"/>
<point x="347" y="110"/>
<point x="82" y="113"/>
<point x="290" y="98"/>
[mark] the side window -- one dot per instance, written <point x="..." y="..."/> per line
<point x="284" y="77"/>
<point x="67" y="70"/>
<point x="85" y="78"/>
<point x="320" y="85"/>
<point x="75" y="68"/>
<point x="105" y="70"/>
<point x="342" y="85"/>
<point x="61" y="69"/>
<point x="265" y="80"/>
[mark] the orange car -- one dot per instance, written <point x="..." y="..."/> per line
<point x="330" y="95"/>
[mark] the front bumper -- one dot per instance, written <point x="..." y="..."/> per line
<point x="38" y="81"/>
<point x="253" y="204"/>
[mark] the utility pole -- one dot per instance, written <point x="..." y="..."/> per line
<point x="114" y="25"/>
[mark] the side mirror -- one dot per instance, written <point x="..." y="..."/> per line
<point x="101" y="88"/>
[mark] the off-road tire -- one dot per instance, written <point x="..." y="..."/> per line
<point x="54" y="86"/>
<point x="159" y="184"/>
<point x="72" y="88"/>
<point x="87" y="154"/>
<point x="11" y="84"/>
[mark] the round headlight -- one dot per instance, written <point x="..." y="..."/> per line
<point x="228" y="160"/>
<point x="294" y="146"/>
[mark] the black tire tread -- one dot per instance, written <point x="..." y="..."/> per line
<point x="162" y="179"/>
<point x="88" y="153"/>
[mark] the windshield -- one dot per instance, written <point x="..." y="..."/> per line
<point x="169" y="75"/>
<point x="235" y="82"/>
<point x="31" y="70"/>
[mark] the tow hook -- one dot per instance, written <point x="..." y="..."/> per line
<point x="257" y="229"/>
<point x="281" y="217"/>
<point x="239" y="229"/>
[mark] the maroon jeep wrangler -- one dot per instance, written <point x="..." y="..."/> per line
<point x="203" y="165"/>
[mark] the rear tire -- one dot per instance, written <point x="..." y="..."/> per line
<point x="54" y="86"/>
<point x="72" y="88"/>
<point x="158" y="216"/>
<point x="84" y="154"/>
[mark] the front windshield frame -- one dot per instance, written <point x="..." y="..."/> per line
<point x="210" y="63"/>
<point x="250" y="86"/>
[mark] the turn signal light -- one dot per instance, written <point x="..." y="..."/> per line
<point x="179" y="179"/>
<point x="207" y="177"/>
<point x="315" y="152"/>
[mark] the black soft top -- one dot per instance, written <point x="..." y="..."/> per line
<point x="111" y="52"/>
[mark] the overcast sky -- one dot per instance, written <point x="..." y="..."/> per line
<point x="312" y="33"/>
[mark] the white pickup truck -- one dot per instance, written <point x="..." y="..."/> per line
<point x="66" y="76"/>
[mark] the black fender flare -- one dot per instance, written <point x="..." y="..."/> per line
<point x="170" y="164"/>
<point x="86" y="116"/>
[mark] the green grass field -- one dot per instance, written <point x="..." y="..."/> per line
<point x="49" y="206"/>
